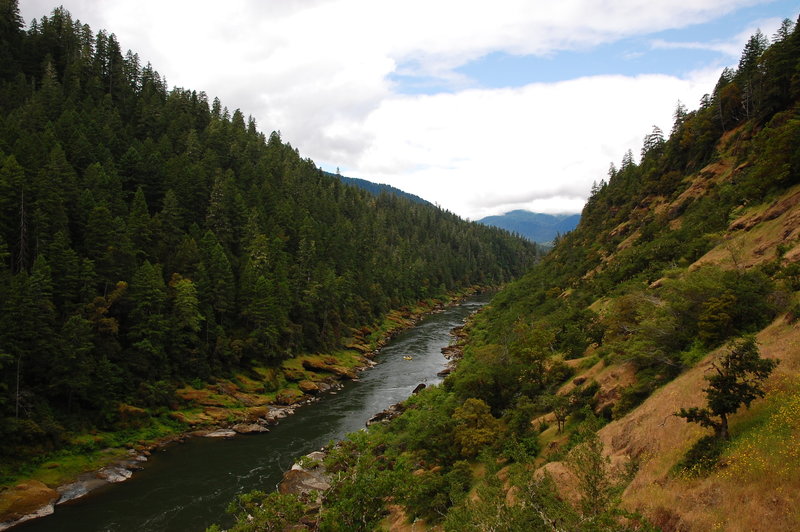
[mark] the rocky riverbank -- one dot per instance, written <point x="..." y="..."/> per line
<point x="32" y="499"/>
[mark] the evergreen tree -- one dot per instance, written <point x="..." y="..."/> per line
<point x="147" y="356"/>
<point x="217" y="286"/>
<point x="139" y="226"/>
<point x="185" y="324"/>
<point x="11" y="38"/>
<point x="737" y="381"/>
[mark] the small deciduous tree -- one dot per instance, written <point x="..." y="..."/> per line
<point x="593" y="470"/>
<point x="737" y="381"/>
<point x="560" y="406"/>
<point x="475" y="428"/>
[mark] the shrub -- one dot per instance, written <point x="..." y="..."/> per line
<point x="702" y="458"/>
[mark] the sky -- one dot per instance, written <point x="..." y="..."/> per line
<point x="480" y="107"/>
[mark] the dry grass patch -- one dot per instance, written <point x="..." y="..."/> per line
<point x="758" y="488"/>
<point x="591" y="373"/>
<point x="206" y="397"/>
<point x="754" y="237"/>
<point x="564" y="480"/>
<point x="629" y="241"/>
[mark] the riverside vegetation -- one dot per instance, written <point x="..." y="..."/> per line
<point x="160" y="255"/>
<point x="676" y="297"/>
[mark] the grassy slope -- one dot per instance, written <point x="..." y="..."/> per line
<point x="758" y="485"/>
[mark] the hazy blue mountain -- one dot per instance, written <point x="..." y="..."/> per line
<point x="377" y="188"/>
<point x="535" y="226"/>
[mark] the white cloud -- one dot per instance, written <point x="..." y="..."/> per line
<point x="481" y="152"/>
<point x="319" y="71"/>
<point x="731" y="47"/>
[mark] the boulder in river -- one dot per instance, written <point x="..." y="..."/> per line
<point x="445" y="372"/>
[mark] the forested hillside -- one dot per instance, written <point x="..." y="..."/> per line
<point x="645" y="374"/>
<point x="378" y="188"/>
<point x="150" y="237"/>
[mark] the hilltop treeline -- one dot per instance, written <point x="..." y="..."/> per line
<point x="149" y="236"/>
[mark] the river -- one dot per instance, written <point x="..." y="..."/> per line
<point x="186" y="487"/>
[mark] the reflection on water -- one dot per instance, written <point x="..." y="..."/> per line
<point x="187" y="486"/>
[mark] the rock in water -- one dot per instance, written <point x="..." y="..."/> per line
<point x="221" y="433"/>
<point x="390" y="413"/>
<point x="114" y="474"/>
<point x="78" y="489"/>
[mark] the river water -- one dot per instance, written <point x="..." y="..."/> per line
<point x="186" y="487"/>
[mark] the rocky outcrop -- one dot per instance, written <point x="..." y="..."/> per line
<point x="330" y="366"/>
<point x="33" y="499"/>
<point x="25" y="501"/>
<point x="294" y="375"/>
<point x="221" y="433"/>
<point x="79" y="488"/>
<point x="308" y="479"/>
<point x="289" y="397"/>
<point x="387" y="415"/>
<point x="249" y="428"/>
<point x="308" y="387"/>
<point x="114" y="473"/>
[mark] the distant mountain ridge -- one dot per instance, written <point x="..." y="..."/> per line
<point x="535" y="226"/>
<point x="378" y="188"/>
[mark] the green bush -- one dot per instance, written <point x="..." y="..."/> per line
<point x="260" y="512"/>
<point x="702" y="458"/>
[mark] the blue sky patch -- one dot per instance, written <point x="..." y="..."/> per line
<point x="629" y="57"/>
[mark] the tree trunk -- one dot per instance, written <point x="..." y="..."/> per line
<point x="722" y="430"/>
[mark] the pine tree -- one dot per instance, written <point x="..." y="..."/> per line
<point x="749" y="75"/>
<point x="215" y="280"/>
<point x="139" y="226"/>
<point x="148" y="330"/>
<point x="737" y="381"/>
<point x="185" y="324"/>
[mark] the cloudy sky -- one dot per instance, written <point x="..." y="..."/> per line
<point x="481" y="107"/>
